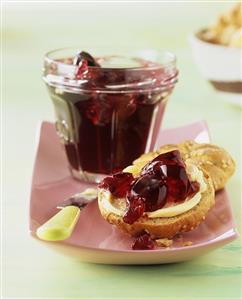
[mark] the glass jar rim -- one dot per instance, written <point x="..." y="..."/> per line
<point x="150" y="74"/>
<point x="168" y="55"/>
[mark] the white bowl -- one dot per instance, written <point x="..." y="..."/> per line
<point x="220" y="65"/>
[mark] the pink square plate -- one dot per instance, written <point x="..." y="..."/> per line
<point x="94" y="240"/>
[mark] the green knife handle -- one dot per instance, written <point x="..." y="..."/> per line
<point x="60" y="226"/>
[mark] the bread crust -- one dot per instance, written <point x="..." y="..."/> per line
<point x="165" y="227"/>
<point x="216" y="161"/>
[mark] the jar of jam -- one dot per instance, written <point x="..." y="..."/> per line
<point x="109" y="105"/>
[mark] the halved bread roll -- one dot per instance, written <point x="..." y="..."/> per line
<point x="216" y="166"/>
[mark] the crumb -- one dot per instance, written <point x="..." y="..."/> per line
<point x="187" y="243"/>
<point x="164" y="242"/>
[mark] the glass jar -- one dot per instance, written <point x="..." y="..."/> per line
<point x="108" y="116"/>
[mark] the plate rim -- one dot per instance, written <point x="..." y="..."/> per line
<point x="232" y="236"/>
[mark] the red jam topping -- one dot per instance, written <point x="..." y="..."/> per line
<point x="143" y="242"/>
<point x="135" y="208"/>
<point x="152" y="190"/>
<point x="163" y="180"/>
<point x="169" y="158"/>
<point x="118" y="184"/>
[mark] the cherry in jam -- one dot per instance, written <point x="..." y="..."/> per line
<point x="170" y="168"/>
<point x="178" y="182"/>
<point x="193" y="189"/>
<point x="118" y="184"/>
<point x="169" y="158"/>
<point x="143" y="242"/>
<point x="153" y="191"/>
<point x="135" y="209"/>
<point x="84" y="56"/>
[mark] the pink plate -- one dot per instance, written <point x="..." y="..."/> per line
<point x="94" y="240"/>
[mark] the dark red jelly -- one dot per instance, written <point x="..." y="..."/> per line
<point x="118" y="184"/>
<point x="135" y="209"/>
<point x="82" y="69"/>
<point x="163" y="180"/>
<point x="85" y="57"/>
<point x="83" y="60"/>
<point x="143" y="242"/>
<point x="171" y="169"/>
<point x="178" y="183"/>
<point x="193" y="189"/>
<point x="152" y="189"/>
<point x="169" y="158"/>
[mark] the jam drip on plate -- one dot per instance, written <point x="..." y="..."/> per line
<point x="162" y="182"/>
<point x="143" y="242"/>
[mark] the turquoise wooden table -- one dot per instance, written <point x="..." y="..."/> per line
<point x="29" y="30"/>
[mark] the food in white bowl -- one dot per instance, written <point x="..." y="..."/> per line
<point x="217" y="50"/>
<point x="226" y="30"/>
